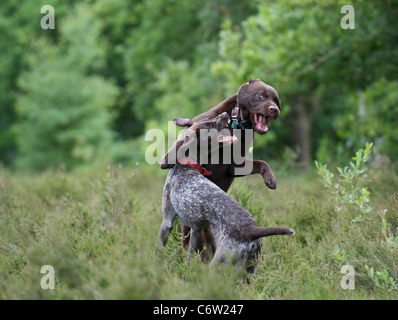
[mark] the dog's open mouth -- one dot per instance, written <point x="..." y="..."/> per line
<point x="260" y="123"/>
<point x="227" y="139"/>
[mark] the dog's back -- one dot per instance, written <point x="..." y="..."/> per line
<point x="199" y="203"/>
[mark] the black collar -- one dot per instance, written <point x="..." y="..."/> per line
<point x="239" y="124"/>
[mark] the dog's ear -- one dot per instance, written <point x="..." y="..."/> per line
<point x="179" y="149"/>
<point x="183" y="122"/>
<point x="278" y="102"/>
<point x="170" y="158"/>
<point x="243" y="94"/>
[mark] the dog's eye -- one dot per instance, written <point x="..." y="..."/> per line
<point x="260" y="96"/>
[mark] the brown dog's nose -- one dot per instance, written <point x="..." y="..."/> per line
<point x="273" y="112"/>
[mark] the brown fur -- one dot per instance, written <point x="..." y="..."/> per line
<point x="254" y="97"/>
<point x="201" y="204"/>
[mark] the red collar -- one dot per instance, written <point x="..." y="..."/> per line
<point x="196" y="166"/>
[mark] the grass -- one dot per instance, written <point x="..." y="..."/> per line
<point x="98" y="231"/>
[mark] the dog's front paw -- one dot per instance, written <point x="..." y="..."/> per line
<point x="270" y="181"/>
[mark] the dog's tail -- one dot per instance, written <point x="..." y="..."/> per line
<point x="257" y="232"/>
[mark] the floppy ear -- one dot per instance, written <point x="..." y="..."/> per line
<point x="243" y="96"/>
<point x="170" y="158"/>
<point x="182" y="122"/>
<point x="279" y="104"/>
<point x="178" y="150"/>
<point x="254" y="233"/>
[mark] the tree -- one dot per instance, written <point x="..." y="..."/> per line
<point x="372" y="116"/>
<point x="19" y="28"/>
<point x="300" y="48"/>
<point x="63" y="115"/>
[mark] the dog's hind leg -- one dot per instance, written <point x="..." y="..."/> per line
<point x="193" y="242"/>
<point x="218" y="259"/>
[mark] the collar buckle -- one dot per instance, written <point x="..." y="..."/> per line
<point x="235" y="123"/>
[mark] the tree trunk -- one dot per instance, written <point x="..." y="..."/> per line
<point x="302" y="131"/>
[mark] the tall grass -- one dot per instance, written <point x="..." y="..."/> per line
<point x="98" y="231"/>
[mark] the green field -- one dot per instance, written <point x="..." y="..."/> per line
<point x="88" y="91"/>
<point x="98" y="231"/>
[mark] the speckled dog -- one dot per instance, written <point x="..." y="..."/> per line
<point x="199" y="203"/>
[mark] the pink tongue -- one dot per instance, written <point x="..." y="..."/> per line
<point x="261" y="124"/>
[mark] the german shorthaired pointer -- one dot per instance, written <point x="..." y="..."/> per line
<point x="200" y="204"/>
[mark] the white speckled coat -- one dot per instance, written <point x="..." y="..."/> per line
<point x="200" y="203"/>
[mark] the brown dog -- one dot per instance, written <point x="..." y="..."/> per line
<point x="199" y="203"/>
<point x="251" y="108"/>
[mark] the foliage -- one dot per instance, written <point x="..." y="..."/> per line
<point x="64" y="120"/>
<point x="147" y="62"/>
<point x="390" y="240"/>
<point x="98" y="230"/>
<point x="316" y="66"/>
<point x="370" y="116"/>
<point x="351" y="195"/>
<point x="86" y="92"/>
<point x="18" y="26"/>
<point x="382" y="279"/>
<point x="340" y="256"/>
<point x="347" y="190"/>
